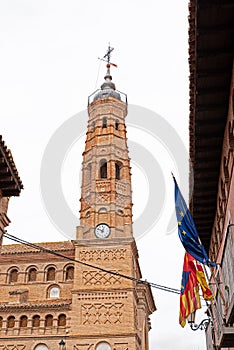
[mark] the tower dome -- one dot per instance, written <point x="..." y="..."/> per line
<point x="108" y="87"/>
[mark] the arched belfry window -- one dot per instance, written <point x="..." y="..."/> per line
<point x="103" y="169"/>
<point x="117" y="171"/>
<point x="89" y="172"/>
<point x="104" y="122"/>
<point x="116" y="124"/>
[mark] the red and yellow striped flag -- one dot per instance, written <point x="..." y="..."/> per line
<point x="206" y="292"/>
<point x="189" y="296"/>
<point x="193" y="276"/>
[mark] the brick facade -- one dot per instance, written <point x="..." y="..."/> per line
<point x="45" y="298"/>
<point x="211" y="129"/>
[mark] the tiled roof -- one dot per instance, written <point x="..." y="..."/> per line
<point x="10" y="182"/>
<point x="24" y="249"/>
<point x="211" y="46"/>
<point x="42" y="304"/>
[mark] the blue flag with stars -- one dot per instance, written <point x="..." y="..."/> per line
<point x="187" y="230"/>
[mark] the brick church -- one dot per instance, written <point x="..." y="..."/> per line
<point x="50" y="303"/>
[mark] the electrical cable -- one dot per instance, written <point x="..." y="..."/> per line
<point x="134" y="279"/>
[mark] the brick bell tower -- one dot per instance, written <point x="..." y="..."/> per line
<point x="110" y="312"/>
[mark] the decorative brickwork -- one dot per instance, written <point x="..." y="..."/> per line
<point x="84" y="347"/>
<point x="121" y="346"/>
<point x="101" y="313"/>
<point x="96" y="277"/>
<point x="12" y="347"/>
<point x="103" y="254"/>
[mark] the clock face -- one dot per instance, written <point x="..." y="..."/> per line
<point x="102" y="231"/>
<point x="41" y="347"/>
<point x="103" y="346"/>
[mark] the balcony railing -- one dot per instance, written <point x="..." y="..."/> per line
<point x="123" y="96"/>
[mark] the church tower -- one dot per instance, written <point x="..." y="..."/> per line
<point x="112" y="312"/>
<point x="74" y="295"/>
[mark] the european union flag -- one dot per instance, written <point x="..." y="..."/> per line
<point x="187" y="230"/>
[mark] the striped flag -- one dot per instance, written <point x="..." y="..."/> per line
<point x="193" y="277"/>
<point x="189" y="295"/>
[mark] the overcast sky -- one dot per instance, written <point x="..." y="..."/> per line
<point x="49" y="67"/>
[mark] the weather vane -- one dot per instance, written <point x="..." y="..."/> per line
<point x="106" y="57"/>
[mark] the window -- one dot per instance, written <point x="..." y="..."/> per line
<point x="48" y="321"/>
<point x="13" y="276"/>
<point x="62" y="320"/>
<point x="1" y="321"/>
<point x="102" y="210"/>
<point x="116" y="125"/>
<point x="11" y="322"/>
<point x="117" y="171"/>
<point x="103" y="169"/>
<point x="32" y="274"/>
<point x="50" y="276"/>
<point x="23" y="321"/>
<point x="36" y="321"/>
<point x="104" y="122"/>
<point x="54" y="292"/>
<point x="93" y="126"/>
<point x="69" y="273"/>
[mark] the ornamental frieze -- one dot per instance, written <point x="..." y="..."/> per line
<point x="12" y="347"/>
<point x="97" y="278"/>
<point x="101" y="313"/>
<point x="103" y="254"/>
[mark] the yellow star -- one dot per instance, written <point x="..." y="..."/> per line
<point x="179" y="223"/>
<point x="184" y="233"/>
<point x="181" y="214"/>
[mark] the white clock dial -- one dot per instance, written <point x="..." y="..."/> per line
<point x="41" y="347"/>
<point x="103" y="346"/>
<point x="102" y="231"/>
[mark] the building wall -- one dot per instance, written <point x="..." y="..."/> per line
<point x="20" y="297"/>
<point x="4" y="221"/>
<point x="222" y="239"/>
